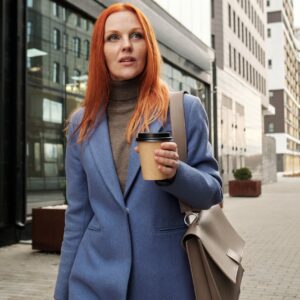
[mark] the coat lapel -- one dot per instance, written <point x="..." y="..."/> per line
<point x="134" y="160"/>
<point x="103" y="158"/>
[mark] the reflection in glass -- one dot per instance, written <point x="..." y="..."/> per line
<point x="37" y="157"/>
<point x="55" y="72"/>
<point x="56" y="39"/>
<point x="52" y="93"/>
<point x="180" y="80"/>
<point x="55" y="9"/>
<point x="52" y="111"/>
<point x="29" y="31"/>
<point x="29" y="3"/>
<point x="50" y="152"/>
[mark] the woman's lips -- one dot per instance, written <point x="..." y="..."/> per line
<point x="128" y="60"/>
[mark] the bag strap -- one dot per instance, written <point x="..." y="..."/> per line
<point x="178" y="123"/>
<point x="179" y="132"/>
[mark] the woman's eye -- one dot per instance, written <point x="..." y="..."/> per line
<point x="137" y="35"/>
<point x="112" y="37"/>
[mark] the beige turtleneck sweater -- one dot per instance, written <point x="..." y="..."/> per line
<point x="122" y="101"/>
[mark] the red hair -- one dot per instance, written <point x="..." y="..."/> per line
<point x="152" y="102"/>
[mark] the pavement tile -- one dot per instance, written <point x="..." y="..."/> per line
<point x="270" y="225"/>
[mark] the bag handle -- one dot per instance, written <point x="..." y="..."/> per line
<point x="179" y="133"/>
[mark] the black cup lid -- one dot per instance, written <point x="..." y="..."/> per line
<point x="152" y="137"/>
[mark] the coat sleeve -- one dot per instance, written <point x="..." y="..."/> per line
<point x="77" y="216"/>
<point x="197" y="182"/>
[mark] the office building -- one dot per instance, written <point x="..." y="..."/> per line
<point x="283" y="74"/>
<point x="239" y="40"/>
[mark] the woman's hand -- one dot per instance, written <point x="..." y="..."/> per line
<point x="167" y="158"/>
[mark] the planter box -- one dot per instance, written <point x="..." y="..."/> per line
<point x="244" y="188"/>
<point x="48" y="228"/>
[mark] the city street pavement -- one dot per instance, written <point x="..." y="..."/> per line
<point x="270" y="224"/>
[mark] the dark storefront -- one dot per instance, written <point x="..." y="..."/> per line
<point x="43" y="74"/>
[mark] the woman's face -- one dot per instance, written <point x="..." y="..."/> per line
<point x="125" y="48"/>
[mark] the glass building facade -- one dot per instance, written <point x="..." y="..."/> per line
<point x="58" y="43"/>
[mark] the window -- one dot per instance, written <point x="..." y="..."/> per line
<point x="269" y="32"/>
<point x="76" y="46"/>
<point x="29" y="31"/>
<point x="29" y="64"/>
<point x="239" y="63"/>
<point x="238" y="27"/>
<point x="55" y="73"/>
<point x="213" y="41"/>
<point x="230" y="62"/>
<point x="242" y="32"/>
<point x="249" y="41"/>
<point x="55" y="9"/>
<point x="212" y="9"/>
<point x="270" y="63"/>
<point x="86" y="49"/>
<point x="29" y="3"/>
<point x="84" y="22"/>
<point x="78" y="21"/>
<point x="52" y="111"/>
<point x="234" y="21"/>
<point x="268" y="2"/>
<point x="65" y="76"/>
<point x="56" y="39"/>
<point x="249" y="9"/>
<point x="64" y="14"/>
<point x="229" y="15"/>
<point x="234" y="59"/>
<point x="271" y="127"/>
<point x="65" y="42"/>
<point x="243" y="67"/>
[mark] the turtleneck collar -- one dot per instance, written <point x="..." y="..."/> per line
<point x="124" y="90"/>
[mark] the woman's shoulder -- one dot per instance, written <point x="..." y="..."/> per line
<point x="192" y="102"/>
<point x="76" y="116"/>
<point x="189" y="100"/>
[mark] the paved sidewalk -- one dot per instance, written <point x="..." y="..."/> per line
<point x="270" y="225"/>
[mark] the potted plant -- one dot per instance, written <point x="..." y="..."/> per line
<point x="243" y="186"/>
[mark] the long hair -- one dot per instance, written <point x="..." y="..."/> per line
<point x="152" y="102"/>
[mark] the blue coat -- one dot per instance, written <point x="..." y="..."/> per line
<point x="128" y="246"/>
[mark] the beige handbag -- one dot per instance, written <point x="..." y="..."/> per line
<point x="213" y="246"/>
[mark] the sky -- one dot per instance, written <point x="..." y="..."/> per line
<point x="296" y="13"/>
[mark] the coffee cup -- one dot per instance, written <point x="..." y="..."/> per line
<point x="148" y="142"/>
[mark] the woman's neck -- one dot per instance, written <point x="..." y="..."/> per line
<point x="125" y="89"/>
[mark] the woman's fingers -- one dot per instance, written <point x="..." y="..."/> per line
<point x="166" y="154"/>
<point x="171" y="146"/>
<point x="167" y="158"/>
<point x="167" y="162"/>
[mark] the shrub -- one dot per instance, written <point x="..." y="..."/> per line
<point x="242" y="174"/>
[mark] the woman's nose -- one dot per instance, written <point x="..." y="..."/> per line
<point x="126" y="44"/>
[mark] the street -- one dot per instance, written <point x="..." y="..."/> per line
<point x="270" y="224"/>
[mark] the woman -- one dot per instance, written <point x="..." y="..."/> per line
<point x="123" y="234"/>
